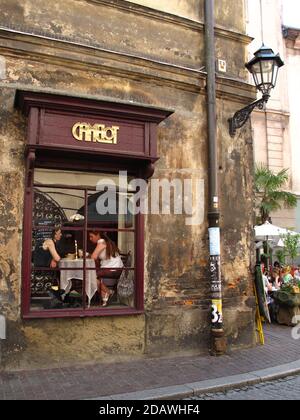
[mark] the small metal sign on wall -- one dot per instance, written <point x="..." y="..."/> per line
<point x="97" y="133"/>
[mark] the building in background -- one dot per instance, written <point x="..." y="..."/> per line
<point x="276" y="130"/>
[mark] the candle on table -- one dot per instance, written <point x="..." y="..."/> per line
<point x="76" y="251"/>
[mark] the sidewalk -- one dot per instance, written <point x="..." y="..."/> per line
<point x="161" y="377"/>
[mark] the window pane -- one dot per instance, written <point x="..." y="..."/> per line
<point x="117" y="289"/>
<point x="57" y="206"/>
<point x="70" y="178"/>
<point x="109" y="209"/>
<point x="115" y="265"/>
<point x="53" y="279"/>
<point x="126" y="244"/>
<point x="50" y="243"/>
<point x="120" y="243"/>
<point x="56" y="289"/>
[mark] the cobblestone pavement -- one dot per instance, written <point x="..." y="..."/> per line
<point x="283" y="389"/>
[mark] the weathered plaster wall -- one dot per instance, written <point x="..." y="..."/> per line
<point x="229" y="14"/>
<point x="97" y="23"/>
<point x="236" y="186"/>
<point x="176" y="278"/>
<point x="192" y="9"/>
<point x="12" y="128"/>
<point x="157" y="36"/>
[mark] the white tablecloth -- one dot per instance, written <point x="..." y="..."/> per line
<point x="73" y="272"/>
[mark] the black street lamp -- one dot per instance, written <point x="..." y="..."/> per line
<point x="264" y="69"/>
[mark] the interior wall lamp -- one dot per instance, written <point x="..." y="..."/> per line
<point x="264" y="69"/>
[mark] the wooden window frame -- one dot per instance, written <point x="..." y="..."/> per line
<point x="78" y="312"/>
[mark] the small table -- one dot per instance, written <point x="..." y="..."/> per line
<point x="74" y="270"/>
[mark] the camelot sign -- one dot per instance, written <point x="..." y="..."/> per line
<point x="96" y="133"/>
<point x="90" y="127"/>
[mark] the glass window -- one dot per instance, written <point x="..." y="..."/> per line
<point x="83" y="250"/>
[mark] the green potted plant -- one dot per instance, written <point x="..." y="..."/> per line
<point x="287" y="303"/>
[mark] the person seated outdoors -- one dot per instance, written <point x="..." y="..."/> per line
<point x="276" y="268"/>
<point x="286" y="275"/>
<point x="267" y="283"/>
<point x="277" y="265"/>
<point x="271" y="284"/>
<point x="297" y="273"/>
<point x="109" y="255"/>
<point x="276" y="282"/>
<point x="276" y="276"/>
<point x="267" y="286"/>
<point x="49" y="253"/>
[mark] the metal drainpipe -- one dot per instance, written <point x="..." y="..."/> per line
<point x="218" y="339"/>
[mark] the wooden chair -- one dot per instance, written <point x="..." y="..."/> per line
<point x="127" y="261"/>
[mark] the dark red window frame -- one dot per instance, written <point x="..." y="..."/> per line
<point x="40" y="154"/>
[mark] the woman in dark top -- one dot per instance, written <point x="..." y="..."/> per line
<point x="48" y="254"/>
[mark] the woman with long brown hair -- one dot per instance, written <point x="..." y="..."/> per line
<point x="110" y="263"/>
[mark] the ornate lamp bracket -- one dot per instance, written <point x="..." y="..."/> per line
<point x="241" y="116"/>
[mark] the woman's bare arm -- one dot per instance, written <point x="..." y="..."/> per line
<point x="99" y="248"/>
<point x="49" y="244"/>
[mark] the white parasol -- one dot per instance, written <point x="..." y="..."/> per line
<point x="267" y="230"/>
<point x="271" y="233"/>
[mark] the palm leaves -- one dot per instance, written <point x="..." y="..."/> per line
<point x="269" y="196"/>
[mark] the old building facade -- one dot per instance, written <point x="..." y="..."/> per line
<point x="275" y="130"/>
<point x="129" y="74"/>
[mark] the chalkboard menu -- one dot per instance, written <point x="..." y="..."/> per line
<point x="43" y="232"/>
<point x="45" y="228"/>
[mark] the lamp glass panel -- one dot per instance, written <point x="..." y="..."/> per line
<point x="256" y="72"/>
<point x="255" y="78"/>
<point x="267" y="71"/>
<point x="275" y="75"/>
